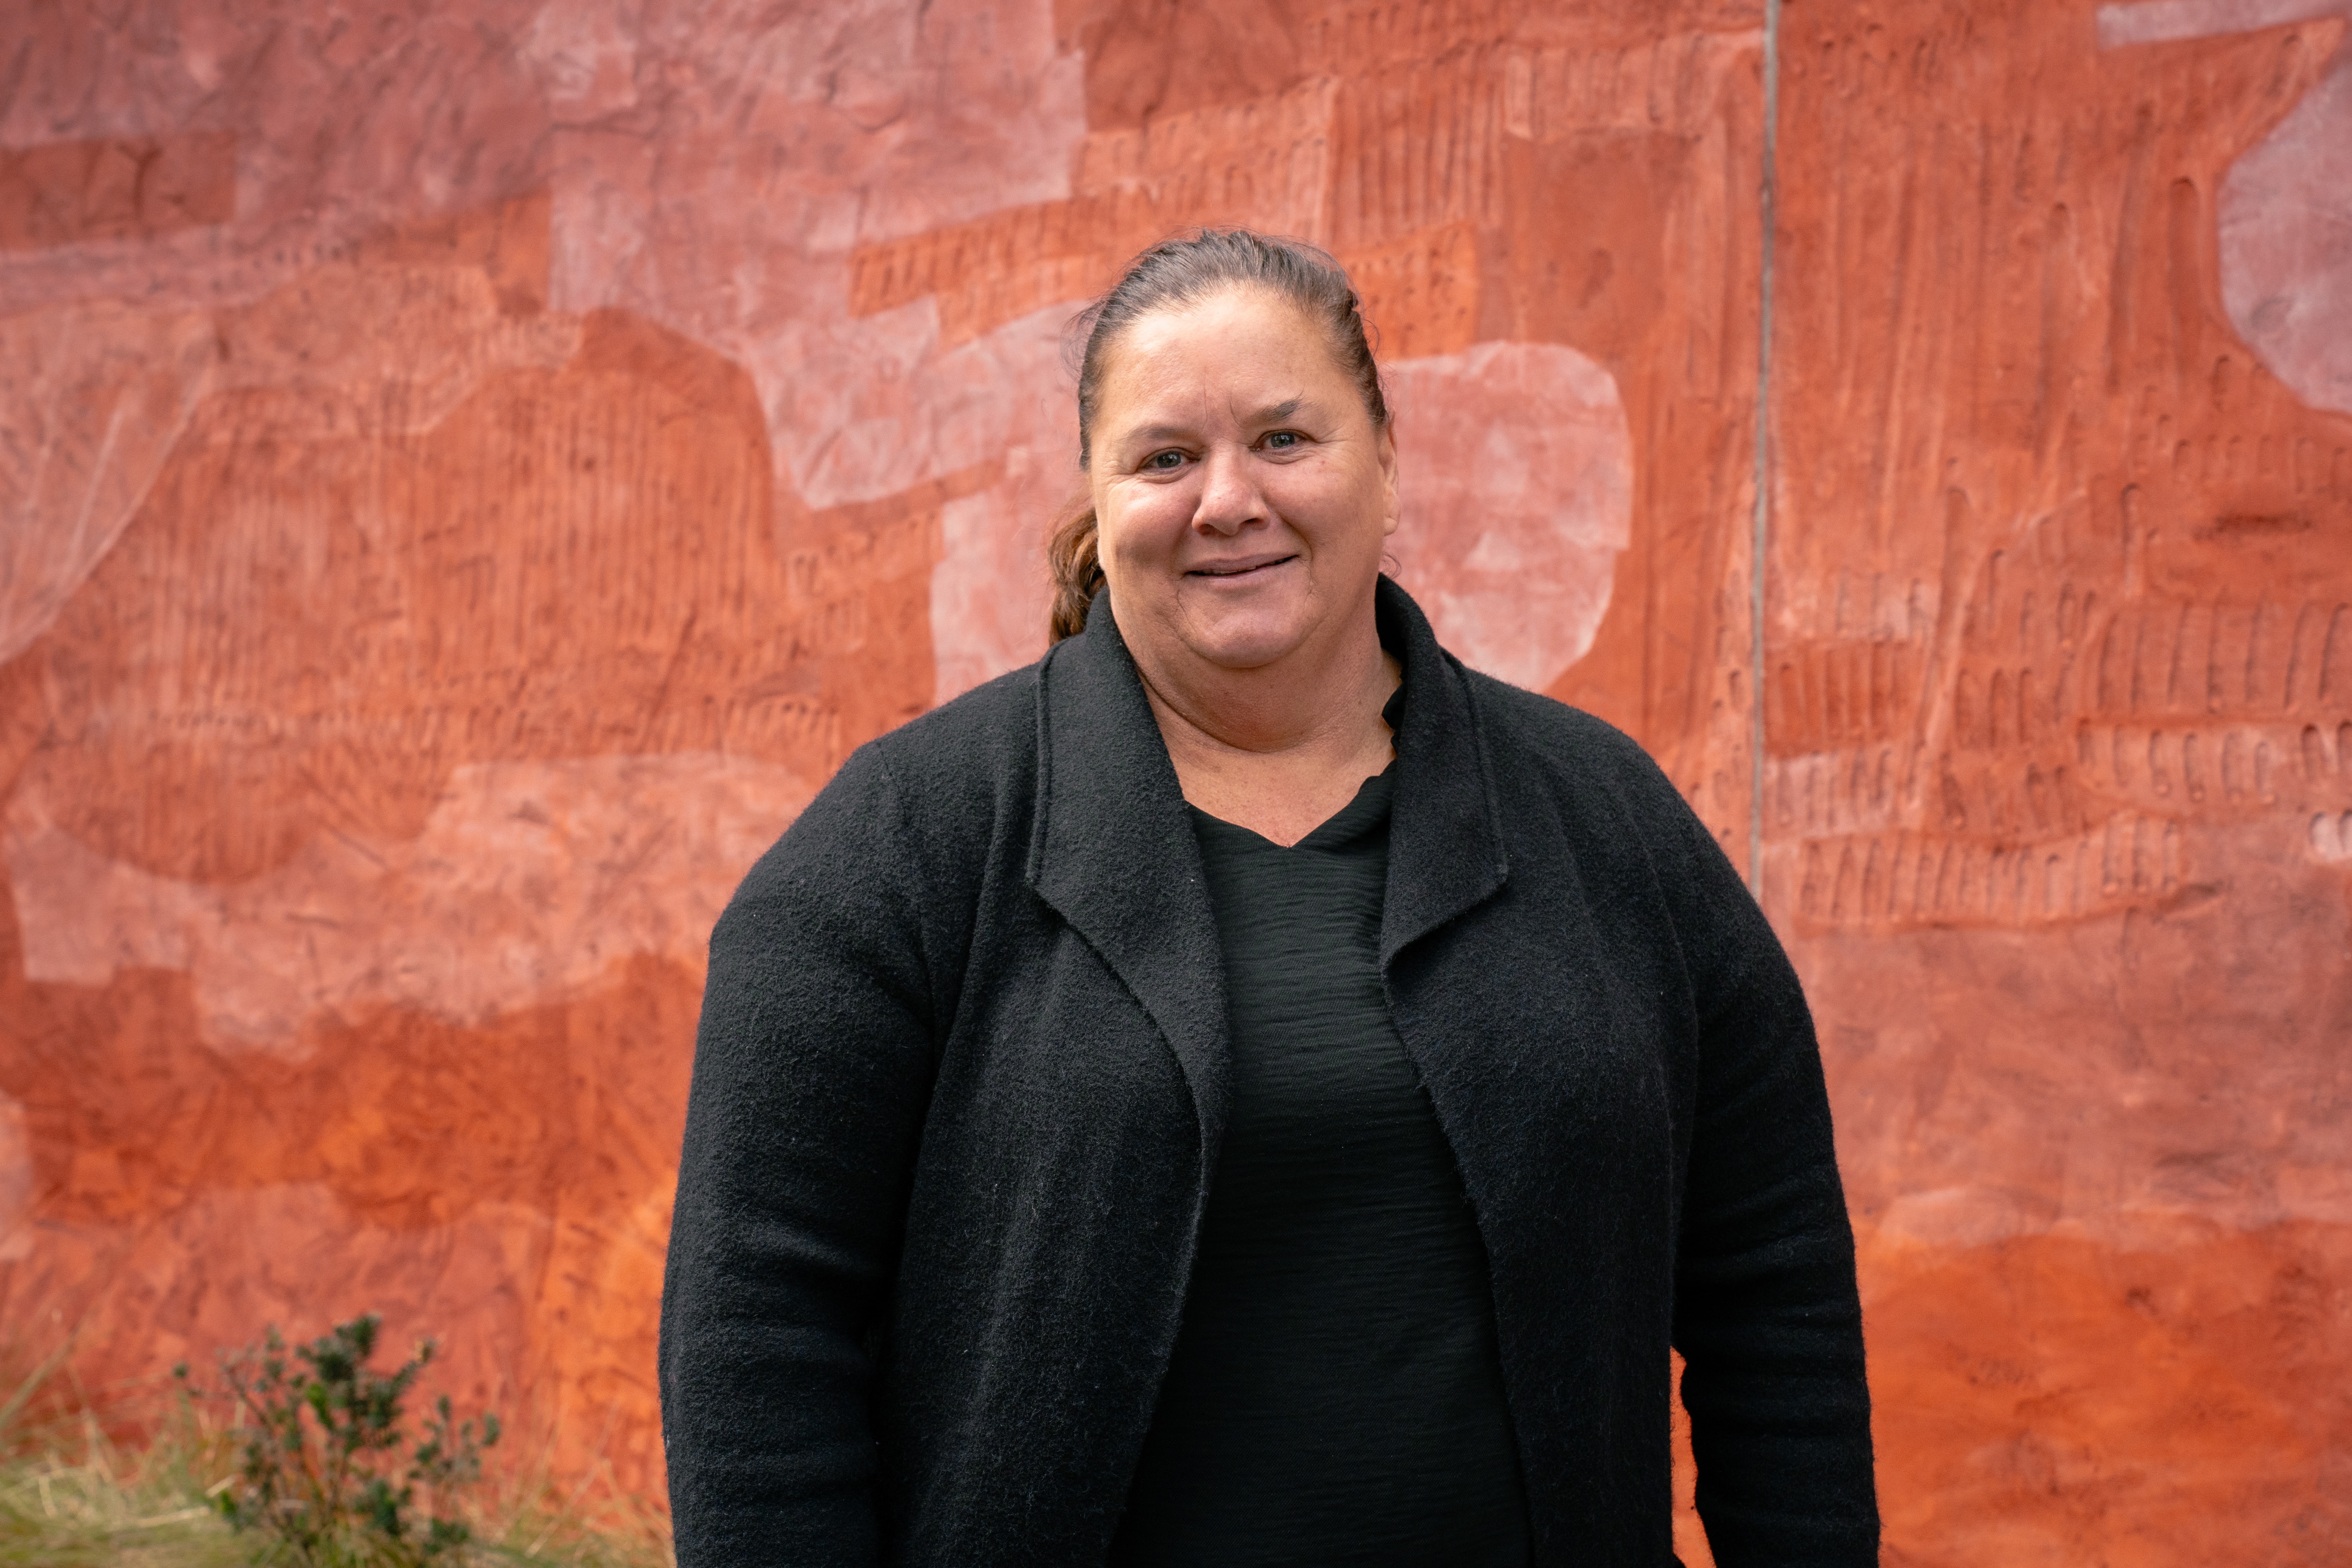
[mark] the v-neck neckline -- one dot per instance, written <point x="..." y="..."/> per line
<point x="1365" y="809"/>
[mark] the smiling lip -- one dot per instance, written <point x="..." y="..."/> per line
<point x="1241" y="568"/>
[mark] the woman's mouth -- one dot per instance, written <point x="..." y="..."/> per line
<point x="1226" y="570"/>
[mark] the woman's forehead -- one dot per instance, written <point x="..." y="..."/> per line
<point x="1256" y="347"/>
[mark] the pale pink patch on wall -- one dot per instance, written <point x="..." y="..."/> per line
<point x="530" y="881"/>
<point x="989" y="592"/>
<point x="94" y="397"/>
<point x="2286" y="243"/>
<point x="1516" y="475"/>
<point x="2285" y="210"/>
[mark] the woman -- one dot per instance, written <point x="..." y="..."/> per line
<point x="1246" y="1088"/>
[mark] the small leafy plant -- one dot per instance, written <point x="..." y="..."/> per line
<point x="328" y="1472"/>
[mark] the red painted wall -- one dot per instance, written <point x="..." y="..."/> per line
<point x="2058" y="687"/>
<point x="468" y="473"/>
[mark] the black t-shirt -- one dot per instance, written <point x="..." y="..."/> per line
<point x="1334" y="1396"/>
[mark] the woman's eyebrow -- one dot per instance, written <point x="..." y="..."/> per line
<point x="1273" y="414"/>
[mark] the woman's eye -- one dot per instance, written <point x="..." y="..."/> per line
<point x="1282" y="440"/>
<point x="1164" y="462"/>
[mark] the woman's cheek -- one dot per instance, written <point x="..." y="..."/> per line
<point x="1156" y="520"/>
<point x="1313" y="512"/>
<point x="1143" y="529"/>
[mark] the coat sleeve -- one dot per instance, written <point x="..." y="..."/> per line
<point x="1767" y="1314"/>
<point x="811" y="1072"/>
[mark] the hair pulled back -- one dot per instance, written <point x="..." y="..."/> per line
<point x="1170" y="275"/>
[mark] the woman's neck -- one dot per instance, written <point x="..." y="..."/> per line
<point x="1281" y="748"/>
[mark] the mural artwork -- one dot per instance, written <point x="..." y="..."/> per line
<point x="2058" y="722"/>
<point x="468" y="475"/>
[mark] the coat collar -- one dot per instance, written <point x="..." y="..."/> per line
<point x="1113" y="853"/>
<point x="1445" y="831"/>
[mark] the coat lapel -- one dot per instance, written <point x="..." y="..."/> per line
<point x="1446" y="832"/>
<point x="1113" y="853"/>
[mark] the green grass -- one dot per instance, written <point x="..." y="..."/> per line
<point x="72" y="1494"/>
<point x="65" y="1503"/>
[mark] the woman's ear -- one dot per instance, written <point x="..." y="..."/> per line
<point x="1391" y="515"/>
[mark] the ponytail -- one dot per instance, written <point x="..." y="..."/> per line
<point x="1073" y="556"/>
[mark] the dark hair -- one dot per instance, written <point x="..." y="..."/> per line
<point x="1175" y="273"/>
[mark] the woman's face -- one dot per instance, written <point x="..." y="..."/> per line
<point x="1241" y="490"/>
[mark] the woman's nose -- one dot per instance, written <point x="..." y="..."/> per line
<point x="1229" y="499"/>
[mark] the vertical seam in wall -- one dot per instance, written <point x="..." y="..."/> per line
<point x="1761" y="518"/>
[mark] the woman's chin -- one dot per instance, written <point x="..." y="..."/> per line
<point x="1243" y="640"/>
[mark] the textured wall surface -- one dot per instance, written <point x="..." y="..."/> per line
<point x="470" y="472"/>
<point x="2059" y="754"/>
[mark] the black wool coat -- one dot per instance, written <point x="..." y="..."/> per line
<point x="962" y="1071"/>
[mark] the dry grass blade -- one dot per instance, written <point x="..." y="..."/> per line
<point x="70" y="1498"/>
<point x="42" y="1371"/>
<point x="73" y="1497"/>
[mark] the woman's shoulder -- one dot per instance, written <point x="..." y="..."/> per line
<point x="981" y="738"/>
<point x="1616" y="801"/>
<point x="914" y="809"/>
<point x="1531" y="733"/>
<point x="942" y="777"/>
<point x="939" y="777"/>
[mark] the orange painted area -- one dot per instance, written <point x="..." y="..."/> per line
<point x="2176" y="1397"/>
<point x="502" y="1187"/>
<point x="445" y="536"/>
